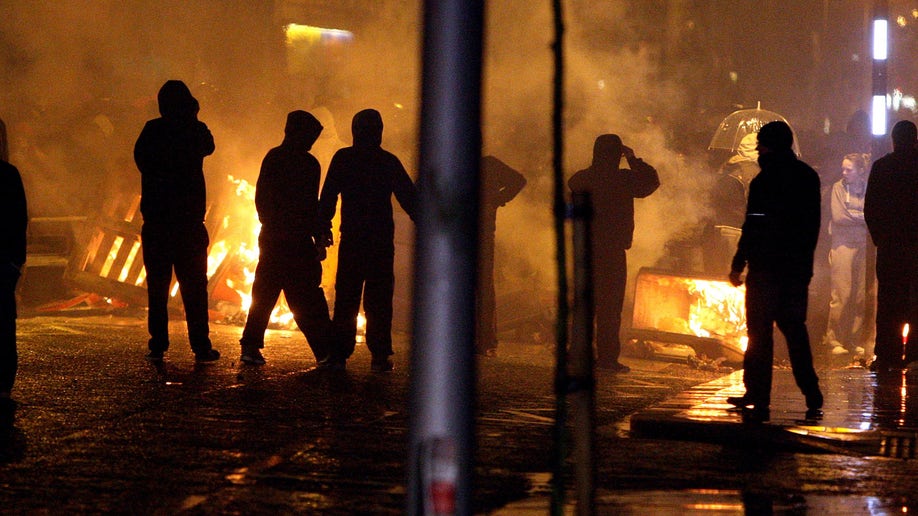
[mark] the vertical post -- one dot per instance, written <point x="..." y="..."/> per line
<point x="560" y="212"/>
<point x="880" y="50"/>
<point x="581" y="382"/>
<point x="442" y="367"/>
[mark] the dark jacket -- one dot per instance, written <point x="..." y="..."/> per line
<point x="782" y="218"/>
<point x="891" y="200"/>
<point x="366" y="176"/>
<point x="15" y="217"/>
<point x="612" y="192"/>
<point x="170" y="155"/>
<point x="287" y="193"/>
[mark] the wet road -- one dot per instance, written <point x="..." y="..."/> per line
<point x="99" y="429"/>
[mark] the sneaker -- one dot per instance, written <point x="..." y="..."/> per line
<point x="328" y="364"/>
<point x="155" y="356"/>
<point x="739" y="401"/>
<point x="206" y="357"/>
<point x="839" y="350"/>
<point x="755" y="414"/>
<point x="859" y="350"/>
<point x="252" y="357"/>
<point x="381" y="366"/>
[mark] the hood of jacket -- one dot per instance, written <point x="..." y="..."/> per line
<point x="367" y="128"/>
<point x="176" y="101"/>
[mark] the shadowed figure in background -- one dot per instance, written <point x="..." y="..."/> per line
<point x="13" y="224"/>
<point x="170" y="154"/>
<point x="291" y="242"/>
<point x="365" y="176"/>
<point x="848" y="259"/>
<point x="499" y="185"/>
<point x="777" y="244"/>
<point x="891" y="212"/>
<point x="728" y="202"/>
<point x="612" y="192"/>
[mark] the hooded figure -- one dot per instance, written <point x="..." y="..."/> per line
<point x="287" y="200"/>
<point x="612" y="192"/>
<point x="170" y="154"/>
<point x="365" y="176"/>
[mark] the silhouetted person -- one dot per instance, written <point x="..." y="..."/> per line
<point x="777" y="245"/>
<point x="170" y="155"/>
<point x="365" y="176"/>
<point x="290" y="241"/>
<point x="499" y="185"/>
<point x="612" y="192"/>
<point x="890" y="206"/>
<point x="13" y="223"/>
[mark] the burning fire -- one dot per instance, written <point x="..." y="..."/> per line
<point x="718" y="310"/>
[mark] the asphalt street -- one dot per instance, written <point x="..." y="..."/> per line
<point x="100" y="429"/>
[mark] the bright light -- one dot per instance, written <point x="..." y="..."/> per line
<point x="878" y="115"/>
<point x="880" y="29"/>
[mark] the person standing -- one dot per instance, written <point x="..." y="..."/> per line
<point x="365" y="176"/>
<point x="612" y="192"/>
<point x="290" y="241"/>
<point x="170" y="154"/>
<point x="777" y="245"/>
<point x="12" y="257"/>
<point x="499" y="185"/>
<point x="848" y="258"/>
<point x="890" y="212"/>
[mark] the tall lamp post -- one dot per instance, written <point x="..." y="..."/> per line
<point x="880" y="42"/>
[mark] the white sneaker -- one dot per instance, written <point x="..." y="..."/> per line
<point x="839" y="350"/>
<point x="859" y="350"/>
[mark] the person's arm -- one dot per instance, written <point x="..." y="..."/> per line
<point x="17" y="219"/>
<point x="405" y="191"/>
<point x="205" y="139"/>
<point x="328" y="199"/>
<point x="644" y="178"/>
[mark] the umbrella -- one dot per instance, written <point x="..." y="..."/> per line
<point x="740" y="123"/>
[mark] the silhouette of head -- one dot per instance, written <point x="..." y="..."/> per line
<point x="176" y="101"/>
<point x="904" y="136"/>
<point x="775" y="136"/>
<point x="367" y="128"/>
<point x="859" y="124"/>
<point x="607" y="149"/>
<point x="303" y="128"/>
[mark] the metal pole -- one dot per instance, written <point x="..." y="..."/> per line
<point x="443" y="368"/>
<point x="581" y="383"/>
<point x="560" y="212"/>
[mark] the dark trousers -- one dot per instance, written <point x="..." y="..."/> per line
<point x="776" y="299"/>
<point x="896" y="292"/>
<point x="9" y="358"/>
<point x="182" y="248"/>
<point x="365" y="269"/>
<point x="610" y="273"/>
<point x="298" y="274"/>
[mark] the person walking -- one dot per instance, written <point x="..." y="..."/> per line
<point x="500" y="184"/>
<point x="777" y="244"/>
<point x="291" y="243"/>
<point x="170" y="154"/>
<point x="612" y="192"/>
<point x="848" y="259"/>
<point x="13" y="226"/>
<point x="890" y="213"/>
<point x="365" y="176"/>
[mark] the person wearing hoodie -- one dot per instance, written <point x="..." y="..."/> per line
<point x="14" y="217"/>
<point x="612" y="192"/>
<point x="848" y="259"/>
<point x="365" y="176"/>
<point x="777" y="244"/>
<point x="170" y="154"/>
<point x="889" y="210"/>
<point x="291" y="242"/>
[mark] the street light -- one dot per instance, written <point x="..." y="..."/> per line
<point x="880" y="53"/>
